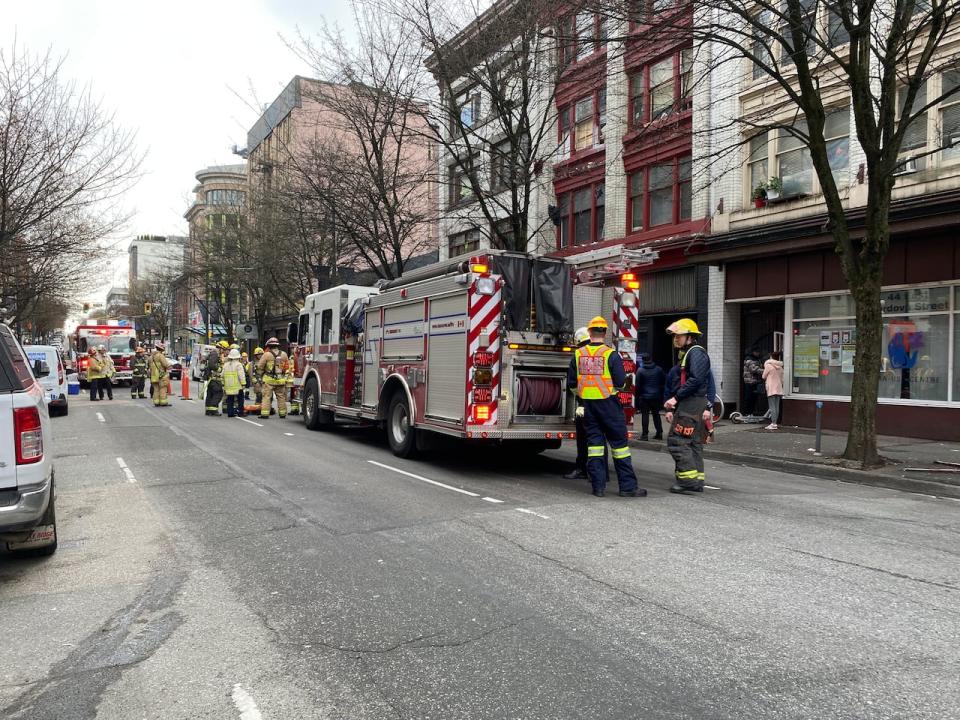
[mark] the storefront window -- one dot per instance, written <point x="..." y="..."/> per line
<point x="915" y="345"/>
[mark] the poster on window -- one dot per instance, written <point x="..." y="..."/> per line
<point x="824" y="338"/>
<point x="835" y="356"/>
<point x="806" y="356"/>
<point x="847" y="354"/>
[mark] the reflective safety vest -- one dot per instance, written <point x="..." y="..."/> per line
<point x="138" y="367"/>
<point x="231" y="378"/>
<point x="594" y="381"/>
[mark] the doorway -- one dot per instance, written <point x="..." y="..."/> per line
<point x="652" y="338"/>
<point x="761" y="327"/>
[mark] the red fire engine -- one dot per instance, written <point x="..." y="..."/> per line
<point x="473" y="347"/>
<point x="120" y="342"/>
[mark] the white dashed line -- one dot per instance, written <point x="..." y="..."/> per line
<point x="710" y="487"/>
<point x="100" y="417"/>
<point x="289" y="434"/>
<point x="251" y="422"/>
<point x="126" y="470"/>
<point x="423" y="479"/>
<point x="245" y="704"/>
<point x="492" y="500"/>
<point x="531" y="512"/>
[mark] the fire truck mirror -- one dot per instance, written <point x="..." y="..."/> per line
<point x="292" y="333"/>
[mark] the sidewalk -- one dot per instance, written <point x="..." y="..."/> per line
<point x="791" y="450"/>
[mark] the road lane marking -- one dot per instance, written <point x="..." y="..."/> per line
<point x="423" y="479"/>
<point x="531" y="512"/>
<point x="250" y="421"/>
<point x="100" y="417"/>
<point x="245" y="704"/>
<point x="710" y="487"/>
<point x="289" y="434"/>
<point x="491" y="500"/>
<point x="126" y="470"/>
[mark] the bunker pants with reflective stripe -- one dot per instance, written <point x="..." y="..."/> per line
<point x="685" y="442"/>
<point x="605" y="423"/>
<point x="214" y="396"/>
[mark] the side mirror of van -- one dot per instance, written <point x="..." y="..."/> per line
<point x="292" y="333"/>
<point x="40" y="369"/>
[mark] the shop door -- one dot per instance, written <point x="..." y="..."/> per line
<point x="662" y="350"/>
<point x="761" y="327"/>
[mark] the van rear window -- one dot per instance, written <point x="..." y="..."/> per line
<point x="16" y="373"/>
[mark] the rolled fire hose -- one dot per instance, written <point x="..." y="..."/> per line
<point x="538" y="396"/>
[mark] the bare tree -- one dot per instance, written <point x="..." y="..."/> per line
<point x="64" y="163"/>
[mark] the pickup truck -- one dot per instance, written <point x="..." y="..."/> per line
<point x="28" y="523"/>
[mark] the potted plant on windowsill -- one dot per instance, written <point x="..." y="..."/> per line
<point x="759" y="196"/>
<point x="774" y="188"/>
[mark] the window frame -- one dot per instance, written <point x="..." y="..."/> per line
<point x="567" y="124"/>
<point x="951" y="104"/>
<point x="470" y="244"/>
<point x="640" y="88"/>
<point x="681" y="193"/>
<point x="457" y="176"/>
<point x="596" y="190"/>
<point x="585" y="42"/>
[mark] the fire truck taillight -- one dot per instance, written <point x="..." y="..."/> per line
<point x="482" y="395"/>
<point x="481" y="413"/>
<point x="483" y="359"/>
<point x="483" y="376"/>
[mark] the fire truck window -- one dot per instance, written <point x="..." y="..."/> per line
<point x="303" y="330"/>
<point x="82" y="345"/>
<point x="326" y="327"/>
<point x="133" y="343"/>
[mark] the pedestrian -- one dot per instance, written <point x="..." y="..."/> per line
<point x="109" y="370"/>
<point x="752" y="377"/>
<point x="688" y="408"/>
<point x="648" y="395"/>
<point x="213" y="374"/>
<point x="94" y="374"/>
<point x="773" y="379"/>
<point x="273" y="369"/>
<point x="159" y="375"/>
<point x="138" y="373"/>
<point x="255" y="375"/>
<point x="596" y="371"/>
<point x="582" y="338"/>
<point x="234" y="378"/>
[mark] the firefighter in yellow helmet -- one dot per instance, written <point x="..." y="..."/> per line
<point x="273" y="369"/>
<point x="596" y="371"/>
<point x="256" y="375"/>
<point x="688" y="409"/>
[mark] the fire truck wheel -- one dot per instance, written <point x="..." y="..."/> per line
<point x="314" y="417"/>
<point x="400" y="434"/>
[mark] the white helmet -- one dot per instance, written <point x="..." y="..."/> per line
<point x="234" y="354"/>
<point x="581" y="336"/>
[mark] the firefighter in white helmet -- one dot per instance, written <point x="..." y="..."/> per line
<point x="581" y="338"/>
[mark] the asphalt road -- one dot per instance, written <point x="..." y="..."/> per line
<point x="216" y="568"/>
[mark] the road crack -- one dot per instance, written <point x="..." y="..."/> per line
<point x="891" y="573"/>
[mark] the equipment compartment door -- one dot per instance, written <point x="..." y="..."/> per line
<point x="446" y="353"/>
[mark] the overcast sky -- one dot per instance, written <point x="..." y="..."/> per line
<point x="187" y="76"/>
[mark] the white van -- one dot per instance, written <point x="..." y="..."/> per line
<point x="52" y="375"/>
<point x="197" y="359"/>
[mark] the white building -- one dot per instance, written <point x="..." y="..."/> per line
<point x="153" y="256"/>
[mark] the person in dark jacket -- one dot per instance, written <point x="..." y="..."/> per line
<point x="688" y="409"/>
<point x="579" y="472"/>
<point x="648" y="395"/>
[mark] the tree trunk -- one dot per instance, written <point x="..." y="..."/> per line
<point x="862" y="435"/>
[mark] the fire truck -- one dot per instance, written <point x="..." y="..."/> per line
<point x="120" y="342"/>
<point x="476" y="347"/>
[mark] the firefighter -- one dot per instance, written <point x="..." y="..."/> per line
<point x="233" y="381"/>
<point x="109" y="370"/>
<point x="273" y="369"/>
<point x="94" y="374"/>
<point x="596" y="371"/>
<point x="213" y="375"/>
<point x="687" y="409"/>
<point x="159" y="375"/>
<point x="138" y="371"/>
<point x="256" y="377"/>
<point x="582" y="337"/>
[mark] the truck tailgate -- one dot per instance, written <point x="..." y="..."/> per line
<point x="8" y="459"/>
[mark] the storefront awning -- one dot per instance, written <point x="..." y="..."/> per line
<point x="215" y="330"/>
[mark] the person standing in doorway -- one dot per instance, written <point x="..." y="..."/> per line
<point x="752" y="377"/>
<point x="773" y="378"/>
<point x="648" y="396"/>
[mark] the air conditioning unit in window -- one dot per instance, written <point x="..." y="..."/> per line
<point x="906" y="167"/>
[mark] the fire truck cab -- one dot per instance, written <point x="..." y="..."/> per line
<point x="476" y="347"/>
<point x="120" y="342"/>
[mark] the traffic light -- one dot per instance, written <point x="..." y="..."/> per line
<point x="147" y="308"/>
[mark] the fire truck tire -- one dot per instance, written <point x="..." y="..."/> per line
<point x="314" y="417"/>
<point x="401" y="435"/>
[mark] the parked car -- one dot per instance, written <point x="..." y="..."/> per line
<point x="52" y="374"/>
<point x="28" y="521"/>
<point x="176" y="369"/>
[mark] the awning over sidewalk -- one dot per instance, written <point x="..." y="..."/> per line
<point x="215" y="330"/>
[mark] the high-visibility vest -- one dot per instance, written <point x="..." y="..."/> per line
<point x="231" y="379"/>
<point x="594" y="381"/>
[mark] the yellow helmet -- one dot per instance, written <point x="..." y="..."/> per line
<point x="258" y="351"/>
<point x="597" y="322"/>
<point x="244" y="354"/>
<point x="223" y="344"/>
<point x="683" y="326"/>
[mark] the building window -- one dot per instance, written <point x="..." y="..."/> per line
<point x="581" y="215"/>
<point x="915" y="342"/>
<point x="794" y="167"/>
<point x="466" y="111"/>
<point x="760" y="45"/>
<point x="581" y="35"/>
<point x="836" y="131"/>
<point x="661" y="88"/>
<point x="460" y="189"/>
<point x="950" y="116"/>
<point x="502" y="232"/>
<point x="915" y="138"/>
<point x="225" y="197"/>
<point x="808" y="32"/>
<point x="463" y="242"/>
<point x="501" y="167"/>
<point x="757" y="162"/>
<point x="587" y="117"/>
<point x="638" y="112"/>
<point x="661" y="194"/>
<point x="686" y="79"/>
<point x="837" y="34"/>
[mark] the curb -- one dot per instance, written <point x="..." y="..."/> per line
<point x="820" y="470"/>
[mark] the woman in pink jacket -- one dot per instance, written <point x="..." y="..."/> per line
<point x="773" y="378"/>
